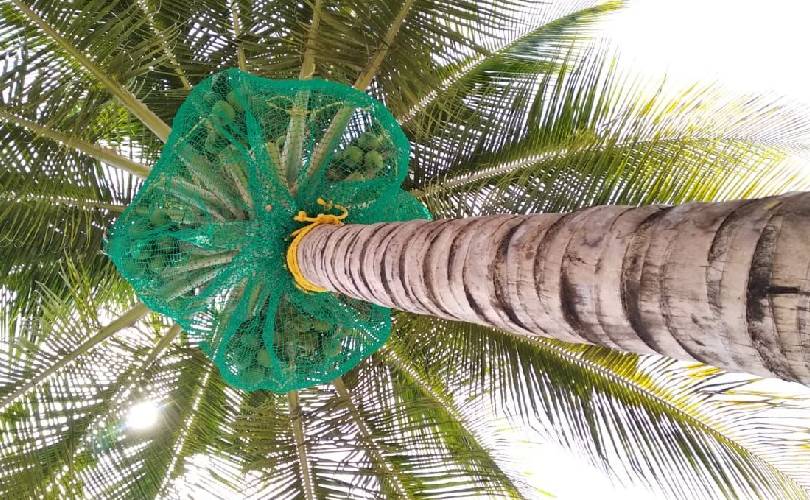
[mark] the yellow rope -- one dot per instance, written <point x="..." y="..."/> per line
<point x="298" y="235"/>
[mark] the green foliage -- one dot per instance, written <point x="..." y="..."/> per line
<point x="506" y="111"/>
<point x="603" y="404"/>
<point x="200" y="245"/>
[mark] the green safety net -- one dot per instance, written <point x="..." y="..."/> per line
<point x="204" y="240"/>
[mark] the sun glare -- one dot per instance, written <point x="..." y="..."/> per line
<point x="143" y="415"/>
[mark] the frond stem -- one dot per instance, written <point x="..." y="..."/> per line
<point x="164" y="44"/>
<point x="127" y="98"/>
<point x="84" y="204"/>
<point x="296" y="420"/>
<point x="374" y="65"/>
<point x="100" y="153"/>
<point x="341" y="119"/>
<point x="125" y="320"/>
<point x="183" y="435"/>
<point x="237" y="33"/>
<point x="131" y="380"/>
<point x="294" y="143"/>
<point x="391" y="474"/>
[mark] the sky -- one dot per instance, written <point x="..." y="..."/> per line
<point x="742" y="45"/>
<point x="745" y="45"/>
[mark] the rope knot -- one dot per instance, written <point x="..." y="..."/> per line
<point x="298" y="235"/>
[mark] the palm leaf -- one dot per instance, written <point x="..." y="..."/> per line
<point x="681" y="427"/>
<point x="590" y="138"/>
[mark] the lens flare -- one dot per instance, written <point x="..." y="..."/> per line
<point x="143" y="415"/>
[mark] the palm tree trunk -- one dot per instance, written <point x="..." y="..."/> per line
<point x="727" y="284"/>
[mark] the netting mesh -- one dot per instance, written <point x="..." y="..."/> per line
<point x="205" y="238"/>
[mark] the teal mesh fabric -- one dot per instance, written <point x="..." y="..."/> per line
<point x="204" y="241"/>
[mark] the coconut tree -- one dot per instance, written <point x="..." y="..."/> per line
<point x="723" y="283"/>
<point x="507" y="112"/>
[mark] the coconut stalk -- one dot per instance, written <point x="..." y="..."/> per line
<point x="124" y="96"/>
<point x="341" y="119"/>
<point x="203" y="172"/>
<point x="294" y="142"/>
<point x="196" y="264"/>
<point x="125" y="320"/>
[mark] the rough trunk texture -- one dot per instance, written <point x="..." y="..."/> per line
<point x="726" y="284"/>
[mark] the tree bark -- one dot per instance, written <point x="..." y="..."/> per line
<point x="727" y="284"/>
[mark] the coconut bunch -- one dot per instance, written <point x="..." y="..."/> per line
<point x="300" y="340"/>
<point x="362" y="158"/>
<point x="174" y="244"/>
<point x="204" y="240"/>
<point x="305" y="340"/>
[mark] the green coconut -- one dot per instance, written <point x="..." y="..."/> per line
<point x="212" y="142"/>
<point x="233" y="100"/>
<point x="373" y="161"/>
<point x="223" y="112"/>
<point x="241" y="360"/>
<point x="368" y="141"/>
<point x="254" y="375"/>
<point x="157" y="264"/>
<point x="249" y="341"/>
<point x="158" y="217"/>
<point x="353" y="155"/>
<point x="263" y="358"/>
<point x="131" y="268"/>
<point x="332" y="348"/>
<point x="177" y="214"/>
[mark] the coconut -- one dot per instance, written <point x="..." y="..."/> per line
<point x="368" y="141"/>
<point x="263" y="358"/>
<point x="131" y="267"/>
<point x="233" y="100"/>
<point x="332" y="348"/>
<point x="254" y="375"/>
<point x="373" y="161"/>
<point x="177" y="214"/>
<point x="241" y="359"/>
<point x="212" y="142"/>
<point x="157" y="264"/>
<point x="249" y="341"/>
<point x="223" y="112"/>
<point x="158" y="217"/>
<point x="353" y="155"/>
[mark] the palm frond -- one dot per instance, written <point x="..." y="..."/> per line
<point x="539" y="50"/>
<point x="165" y="37"/>
<point x="300" y="446"/>
<point x="676" y="428"/>
<point x="48" y="371"/>
<point x="40" y="369"/>
<point x="57" y="23"/>
<point x="590" y="138"/>
<point x="460" y="425"/>
<point x="55" y="204"/>
<point x="386" y="470"/>
<point x="100" y="153"/>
